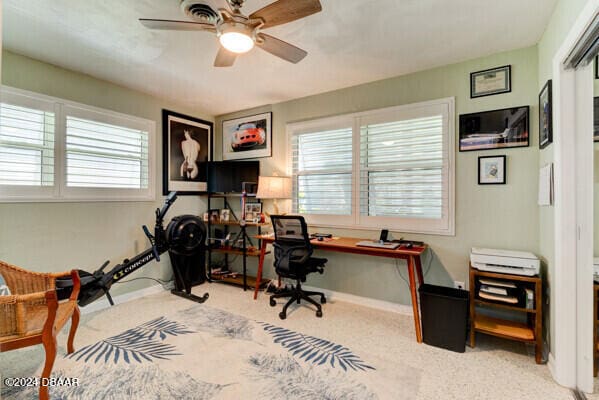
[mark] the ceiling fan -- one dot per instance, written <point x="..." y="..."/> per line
<point x="239" y="33"/>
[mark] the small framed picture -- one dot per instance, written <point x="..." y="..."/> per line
<point x="545" y="119"/>
<point x="491" y="170"/>
<point x="225" y="214"/>
<point x="253" y="211"/>
<point x="214" y="216"/>
<point x="491" y="81"/>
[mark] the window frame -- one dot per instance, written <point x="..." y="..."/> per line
<point x="445" y="225"/>
<point x="325" y="124"/>
<point x="60" y="192"/>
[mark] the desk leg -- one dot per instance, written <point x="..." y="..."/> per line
<point x="419" y="270"/>
<point x="260" y="265"/>
<point x="414" y="299"/>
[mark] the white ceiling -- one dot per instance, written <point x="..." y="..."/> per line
<point x="348" y="43"/>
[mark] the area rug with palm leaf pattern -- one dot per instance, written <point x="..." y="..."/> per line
<point x="203" y="352"/>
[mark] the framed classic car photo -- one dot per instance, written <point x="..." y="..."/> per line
<point x="247" y="137"/>
<point x="187" y="148"/>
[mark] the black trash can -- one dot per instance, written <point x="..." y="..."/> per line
<point x="444" y="313"/>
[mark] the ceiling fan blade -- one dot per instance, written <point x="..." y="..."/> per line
<point x="283" y="11"/>
<point x="224" y="58"/>
<point x="176" y="25"/>
<point x="280" y="48"/>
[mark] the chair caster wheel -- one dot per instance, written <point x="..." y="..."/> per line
<point x="319" y="314"/>
<point x="272" y="302"/>
<point x="282" y="315"/>
<point x="323" y="300"/>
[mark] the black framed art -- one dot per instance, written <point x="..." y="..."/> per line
<point x="596" y="119"/>
<point x="545" y="116"/>
<point x="491" y="81"/>
<point x="495" y="129"/>
<point x="491" y="170"/>
<point x="186" y="150"/>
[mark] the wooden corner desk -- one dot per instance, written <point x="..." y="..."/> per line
<point x="348" y="245"/>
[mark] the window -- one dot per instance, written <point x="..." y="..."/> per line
<point x="388" y="168"/>
<point x="323" y="165"/>
<point x="57" y="151"/>
<point x="26" y="146"/>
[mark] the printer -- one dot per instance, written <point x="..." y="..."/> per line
<point x="505" y="261"/>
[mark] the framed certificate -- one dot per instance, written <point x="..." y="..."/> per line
<point x="491" y="81"/>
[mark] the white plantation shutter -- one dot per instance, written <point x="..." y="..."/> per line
<point x="26" y="146"/>
<point x="401" y="168"/>
<point x="322" y="172"/>
<point x="101" y="155"/>
<point x="56" y="150"/>
<point x="388" y="168"/>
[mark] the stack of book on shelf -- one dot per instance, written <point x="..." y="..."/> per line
<point x="506" y="292"/>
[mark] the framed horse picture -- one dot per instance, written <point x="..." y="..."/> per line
<point x="186" y="150"/>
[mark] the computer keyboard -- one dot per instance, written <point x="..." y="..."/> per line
<point x="385" y="245"/>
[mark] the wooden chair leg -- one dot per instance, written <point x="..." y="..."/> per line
<point x="49" y="342"/>
<point x="73" y="330"/>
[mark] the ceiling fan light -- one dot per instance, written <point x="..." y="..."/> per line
<point x="236" y="42"/>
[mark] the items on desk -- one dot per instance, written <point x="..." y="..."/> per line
<point x="408" y="243"/>
<point x="321" y="235"/>
<point x="378" y="244"/>
<point x="505" y="261"/>
<point x="596" y="269"/>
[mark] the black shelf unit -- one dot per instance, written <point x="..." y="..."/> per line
<point x="242" y="236"/>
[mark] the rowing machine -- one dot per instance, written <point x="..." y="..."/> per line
<point x="184" y="239"/>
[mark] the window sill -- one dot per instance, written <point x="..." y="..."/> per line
<point x="390" y="227"/>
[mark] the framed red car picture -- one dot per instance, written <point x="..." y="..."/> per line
<point x="247" y="137"/>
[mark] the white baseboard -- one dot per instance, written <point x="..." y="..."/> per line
<point x="551" y="364"/>
<point x="103" y="303"/>
<point x="567" y="380"/>
<point x="364" y="301"/>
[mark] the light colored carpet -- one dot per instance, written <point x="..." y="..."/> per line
<point x="232" y="347"/>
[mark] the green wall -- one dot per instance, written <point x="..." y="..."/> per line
<point x="596" y="186"/>
<point x="502" y="216"/>
<point x="62" y="236"/>
<point x="564" y="15"/>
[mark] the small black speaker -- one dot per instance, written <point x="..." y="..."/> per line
<point x="384" y="235"/>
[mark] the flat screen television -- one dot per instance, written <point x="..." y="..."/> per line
<point x="228" y="176"/>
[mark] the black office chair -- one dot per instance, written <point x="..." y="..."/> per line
<point x="292" y="260"/>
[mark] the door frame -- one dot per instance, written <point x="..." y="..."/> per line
<point x="571" y="360"/>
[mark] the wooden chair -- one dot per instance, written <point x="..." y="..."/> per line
<point x="33" y="315"/>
